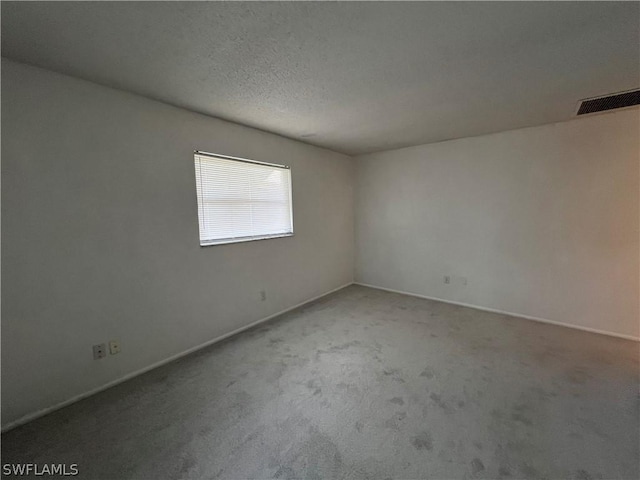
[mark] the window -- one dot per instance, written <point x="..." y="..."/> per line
<point x="241" y="200"/>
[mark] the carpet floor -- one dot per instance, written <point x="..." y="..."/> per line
<point x="361" y="384"/>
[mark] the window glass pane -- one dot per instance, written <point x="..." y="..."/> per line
<point x="241" y="200"/>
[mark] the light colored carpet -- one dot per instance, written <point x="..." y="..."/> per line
<point x="364" y="384"/>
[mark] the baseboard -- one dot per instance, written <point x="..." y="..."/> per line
<point x="40" y="413"/>
<point x="512" y="314"/>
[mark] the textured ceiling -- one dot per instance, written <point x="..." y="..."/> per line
<point x="353" y="77"/>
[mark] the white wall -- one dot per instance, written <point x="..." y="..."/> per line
<point x="542" y="221"/>
<point x="100" y="235"/>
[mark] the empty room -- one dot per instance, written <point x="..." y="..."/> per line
<point x="320" y="240"/>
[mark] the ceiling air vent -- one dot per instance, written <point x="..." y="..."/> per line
<point x="609" y="102"/>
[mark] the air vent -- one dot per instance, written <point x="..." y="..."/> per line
<point x="610" y="102"/>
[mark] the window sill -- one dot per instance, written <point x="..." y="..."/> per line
<point x="227" y="241"/>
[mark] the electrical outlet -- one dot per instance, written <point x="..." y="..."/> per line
<point x="463" y="280"/>
<point x="447" y="279"/>
<point x="263" y="295"/>
<point x="114" y="347"/>
<point x="99" y="351"/>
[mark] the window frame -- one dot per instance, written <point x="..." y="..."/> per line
<point x="230" y="240"/>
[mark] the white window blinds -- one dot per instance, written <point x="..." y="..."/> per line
<point x="241" y="200"/>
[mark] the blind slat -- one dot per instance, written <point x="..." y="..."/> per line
<point x="240" y="201"/>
